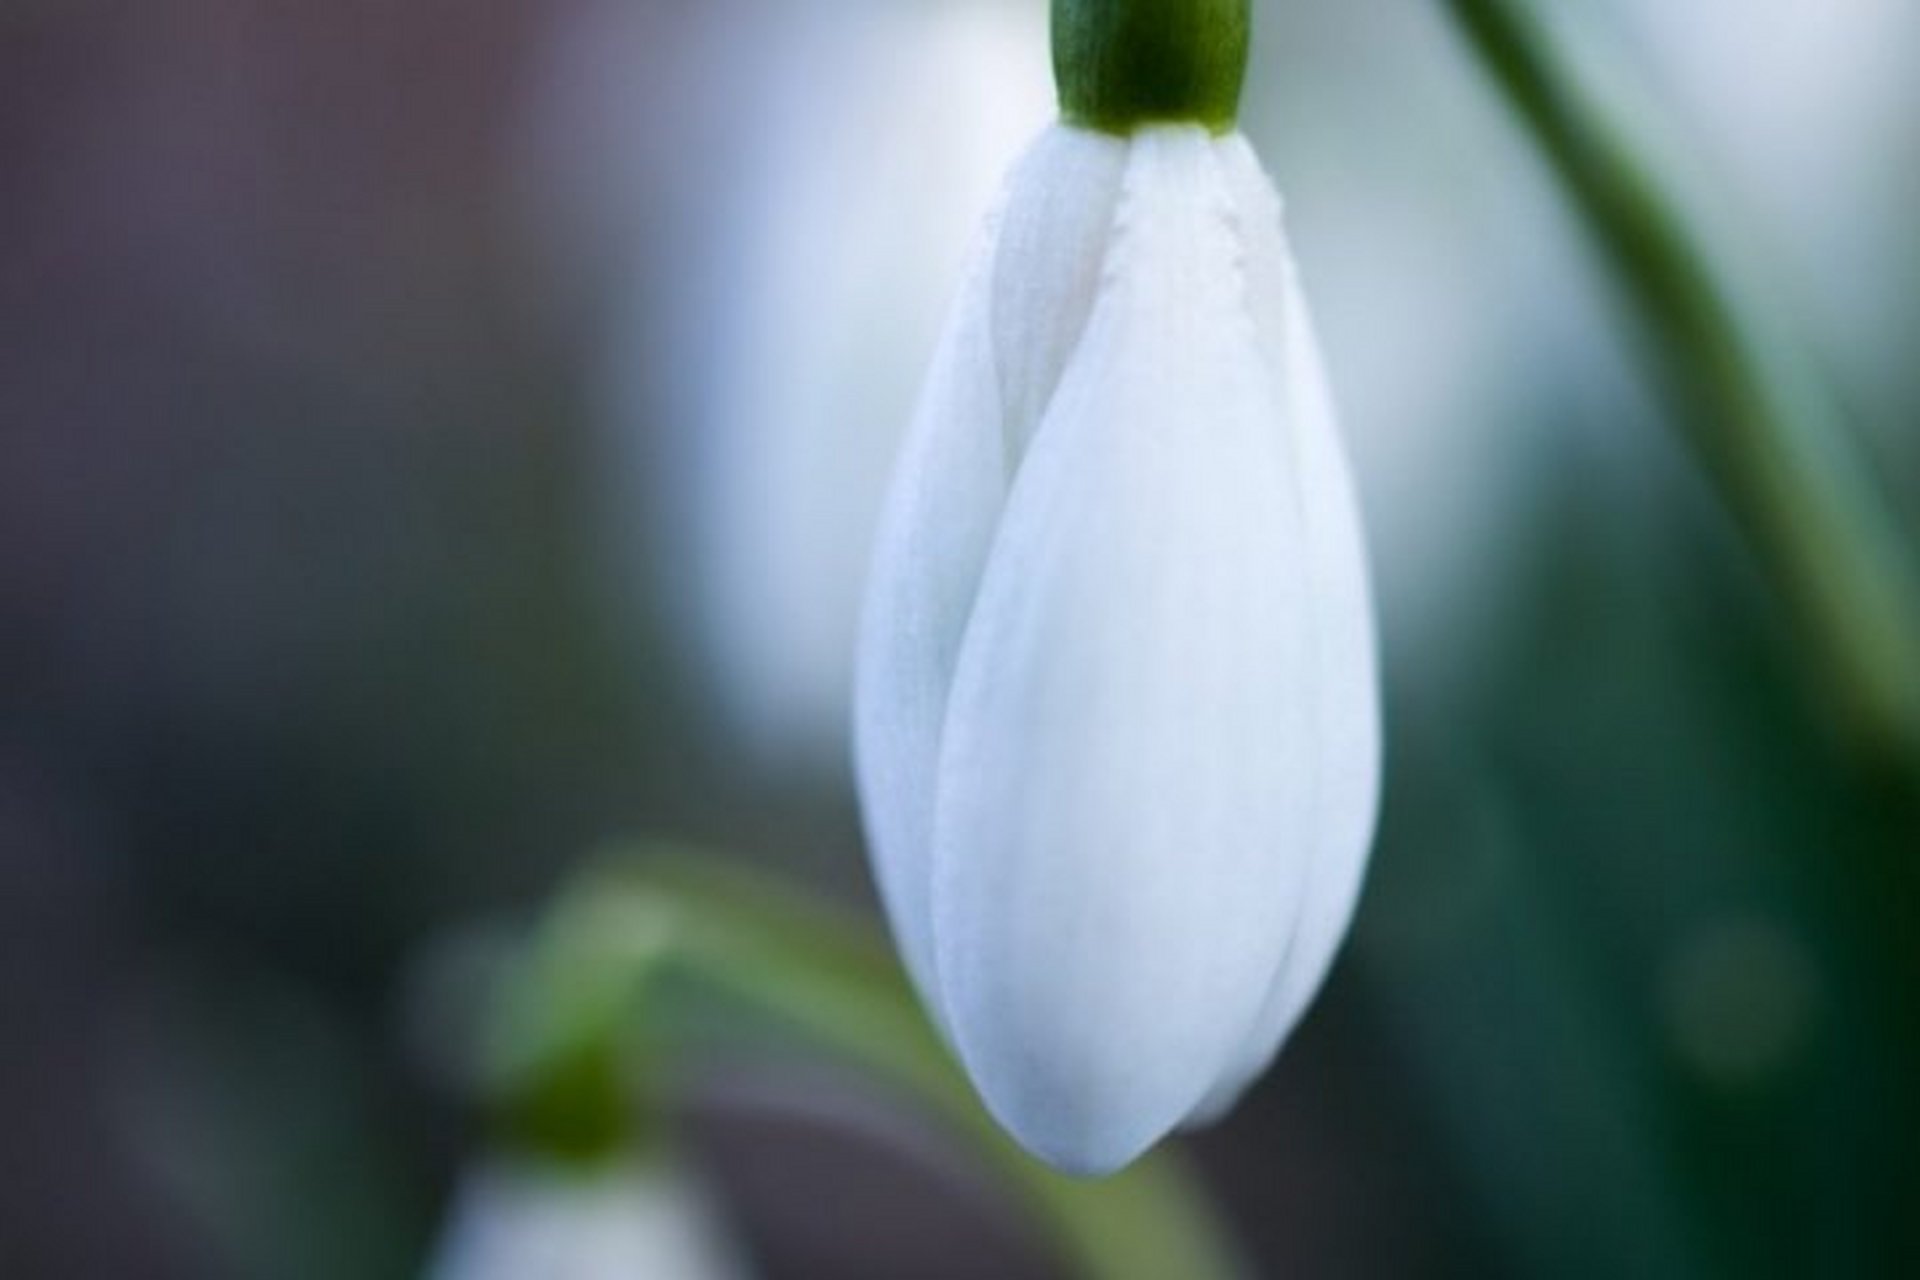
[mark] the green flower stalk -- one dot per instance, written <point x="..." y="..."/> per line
<point x="1767" y="430"/>
<point x="1121" y="64"/>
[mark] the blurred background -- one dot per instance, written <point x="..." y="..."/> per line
<point x="436" y="439"/>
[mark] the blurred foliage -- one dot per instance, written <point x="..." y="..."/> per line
<point x="1628" y="910"/>
<point x="659" y="947"/>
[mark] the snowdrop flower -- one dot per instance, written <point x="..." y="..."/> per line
<point x="521" y="1221"/>
<point x="1117" y="727"/>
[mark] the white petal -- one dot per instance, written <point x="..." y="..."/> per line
<point x="1346" y="691"/>
<point x="1053" y="248"/>
<point x="1127" y="772"/>
<point x="1043" y="251"/>
<point x="945" y="502"/>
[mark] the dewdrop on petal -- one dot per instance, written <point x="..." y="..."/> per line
<point x="1117" y="728"/>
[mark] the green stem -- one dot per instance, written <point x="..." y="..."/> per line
<point x="681" y="950"/>
<point x="1768" y="432"/>
<point x="1122" y="64"/>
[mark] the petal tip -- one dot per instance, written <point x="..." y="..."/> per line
<point x="1076" y="1139"/>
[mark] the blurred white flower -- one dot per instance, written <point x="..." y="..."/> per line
<point x="756" y="382"/>
<point x="1117" y="725"/>
<point x="531" y="1221"/>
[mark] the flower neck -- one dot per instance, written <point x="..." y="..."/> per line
<point x="1122" y="64"/>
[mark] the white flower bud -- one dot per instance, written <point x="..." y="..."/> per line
<point x="1117" y="726"/>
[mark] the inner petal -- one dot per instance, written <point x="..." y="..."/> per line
<point x="1054" y="235"/>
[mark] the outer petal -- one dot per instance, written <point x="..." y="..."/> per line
<point x="1128" y="762"/>
<point x="1346" y="687"/>
<point x="1043" y="249"/>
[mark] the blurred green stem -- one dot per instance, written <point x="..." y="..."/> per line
<point x="657" y="958"/>
<point x="1768" y="431"/>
